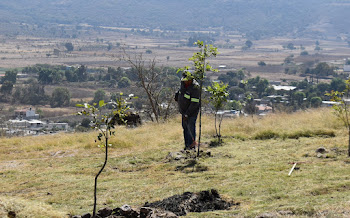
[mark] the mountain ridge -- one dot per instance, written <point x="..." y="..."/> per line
<point x="260" y="18"/>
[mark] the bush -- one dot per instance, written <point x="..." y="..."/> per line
<point x="268" y="134"/>
<point x="316" y="102"/>
<point x="298" y="134"/>
<point x="324" y="133"/>
<point x="60" y="97"/>
<point x="261" y="63"/>
<point x="124" y="82"/>
<point x="99" y="95"/>
<point x="81" y="129"/>
<point x="85" y="123"/>
<point x="309" y="133"/>
<point x="290" y="46"/>
<point x="69" y="46"/>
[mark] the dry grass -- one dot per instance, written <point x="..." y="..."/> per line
<point x="24" y="208"/>
<point x="47" y="111"/>
<point x="57" y="171"/>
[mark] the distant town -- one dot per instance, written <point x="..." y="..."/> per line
<point x="27" y="122"/>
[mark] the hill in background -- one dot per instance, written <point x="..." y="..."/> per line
<point x="255" y="18"/>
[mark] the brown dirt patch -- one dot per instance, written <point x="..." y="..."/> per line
<point x="192" y="202"/>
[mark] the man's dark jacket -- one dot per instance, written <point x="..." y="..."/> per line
<point x="188" y="99"/>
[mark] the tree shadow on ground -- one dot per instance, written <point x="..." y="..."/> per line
<point x="191" y="166"/>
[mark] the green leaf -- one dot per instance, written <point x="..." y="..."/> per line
<point x="101" y="103"/>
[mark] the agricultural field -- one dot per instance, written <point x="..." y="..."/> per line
<point x="52" y="176"/>
<point x="105" y="50"/>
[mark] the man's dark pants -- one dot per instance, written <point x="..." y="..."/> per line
<point x="189" y="127"/>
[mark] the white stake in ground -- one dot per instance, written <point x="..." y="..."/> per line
<point x="291" y="170"/>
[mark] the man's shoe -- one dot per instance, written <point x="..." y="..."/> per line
<point x="193" y="145"/>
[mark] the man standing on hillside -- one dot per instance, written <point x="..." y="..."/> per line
<point x="188" y="100"/>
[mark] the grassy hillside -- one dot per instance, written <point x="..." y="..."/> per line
<point x="268" y="17"/>
<point x="53" y="175"/>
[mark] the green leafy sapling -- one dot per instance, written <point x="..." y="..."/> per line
<point x="218" y="98"/>
<point x="342" y="107"/>
<point x="105" y="117"/>
<point x="201" y="66"/>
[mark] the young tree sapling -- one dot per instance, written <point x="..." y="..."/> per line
<point x="104" y="123"/>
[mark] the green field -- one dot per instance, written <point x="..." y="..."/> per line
<point x="52" y="176"/>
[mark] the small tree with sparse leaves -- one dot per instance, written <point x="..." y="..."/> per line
<point x="342" y="107"/>
<point x="201" y="66"/>
<point x="104" y="121"/>
<point x="218" y="98"/>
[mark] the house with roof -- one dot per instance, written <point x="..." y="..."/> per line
<point x="283" y="88"/>
<point x="56" y="126"/>
<point x="263" y="109"/>
<point x="26" y="114"/>
<point x="346" y="68"/>
<point x="26" y="122"/>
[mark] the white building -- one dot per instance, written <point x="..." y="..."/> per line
<point x="329" y="103"/>
<point x="26" y="114"/>
<point x="285" y="88"/>
<point x="36" y="124"/>
<point x="346" y="68"/>
<point x="26" y="124"/>
<point x="30" y="127"/>
<point x="56" y="126"/>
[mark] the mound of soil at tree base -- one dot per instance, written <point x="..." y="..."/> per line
<point x="184" y="155"/>
<point x="192" y="202"/>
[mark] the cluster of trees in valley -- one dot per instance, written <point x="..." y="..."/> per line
<point x="107" y="82"/>
<point x="307" y="93"/>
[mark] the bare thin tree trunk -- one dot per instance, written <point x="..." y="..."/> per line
<point x="220" y="121"/>
<point x="200" y="117"/>
<point x="349" y="143"/>
<point x="216" y="129"/>
<point x="346" y="120"/>
<point x="99" y="172"/>
<point x="152" y="104"/>
<point x="200" y="110"/>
